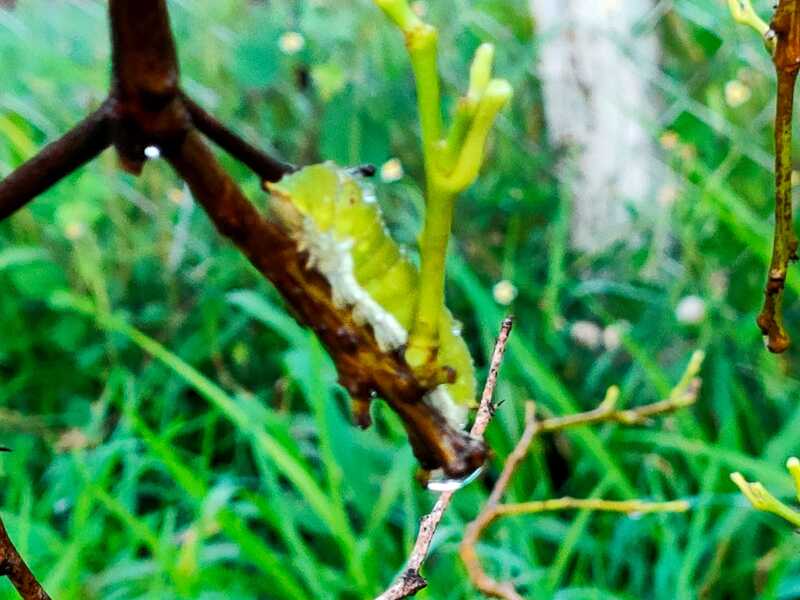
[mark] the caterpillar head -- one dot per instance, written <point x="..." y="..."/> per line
<point x="308" y="191"/>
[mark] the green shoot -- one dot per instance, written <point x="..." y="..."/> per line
<point x="763" y="501"/>
<point x="452" y="161"/>
<point x="743" y="12"/>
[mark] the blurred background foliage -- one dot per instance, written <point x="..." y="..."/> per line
<point x="176" y="435"/>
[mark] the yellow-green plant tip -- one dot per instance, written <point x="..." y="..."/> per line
<point x="480" y="72"/>
<point x="763" y="499"/>
<point x="400" y="13"/>
<point x="738" y="479"/>
<point x="499" y="91"/>
<point x="698" y="357"/>
<point x="497" y="94"/>
<point x="743" y="12"/>
<point x="611" y="398"/>
<point x="679" y="393"/>
<point x="793" y="466"/>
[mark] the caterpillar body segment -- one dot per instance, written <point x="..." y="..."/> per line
<point x="337" y="220"/>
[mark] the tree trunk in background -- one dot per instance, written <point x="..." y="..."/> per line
<point x="600" y="111"/>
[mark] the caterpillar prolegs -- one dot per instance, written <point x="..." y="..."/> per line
<point x="337" y="221"/>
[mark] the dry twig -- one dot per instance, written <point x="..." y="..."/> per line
<point x="784" y="31"/>
<point x="410" y="581"/>
<point x="684" y="394"/>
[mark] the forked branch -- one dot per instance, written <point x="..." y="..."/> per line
<point x="684" y="394"/>
<point x="55" y="161"/>
<point x="146" y="109"/>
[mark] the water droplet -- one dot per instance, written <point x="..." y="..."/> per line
<point x="441" y="483"/>
<point x="152" y="152"/>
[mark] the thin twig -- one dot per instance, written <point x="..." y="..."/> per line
<point x="630" y="507"/>
<point x="762" y="500"/>
<point x="55" y="161"/>
<point x="13" y="567"/>
<point x="261" y="163"/>
<point x="785" y="31"/>
<point x="684" y="394"/>
<point x="410" y="581"/>
<point x="486" y="409"/>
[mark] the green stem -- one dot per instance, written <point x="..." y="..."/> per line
<point x="450" y="166"/>
<point x="424" y="339"/>
<point x="470" y="154"/>
<point x="463" y="154"/>
<point x="462" y="120"/>
<point x="422" y="42"/>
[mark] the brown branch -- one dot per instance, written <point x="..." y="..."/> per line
<point x="262" y="164"/>
<point x="55" y="161"/>
<point x="13" y="567"/>
<point x="146" y="108"/>
<point x="410" y="581"/>
<point x="144" y="59"/>
<point x="785" y="31"/>
<point x="684" y="394"/>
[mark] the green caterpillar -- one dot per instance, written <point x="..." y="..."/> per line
<point x="338" y="222"/>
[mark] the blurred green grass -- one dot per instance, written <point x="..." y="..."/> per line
<point x="176" y="435"/>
